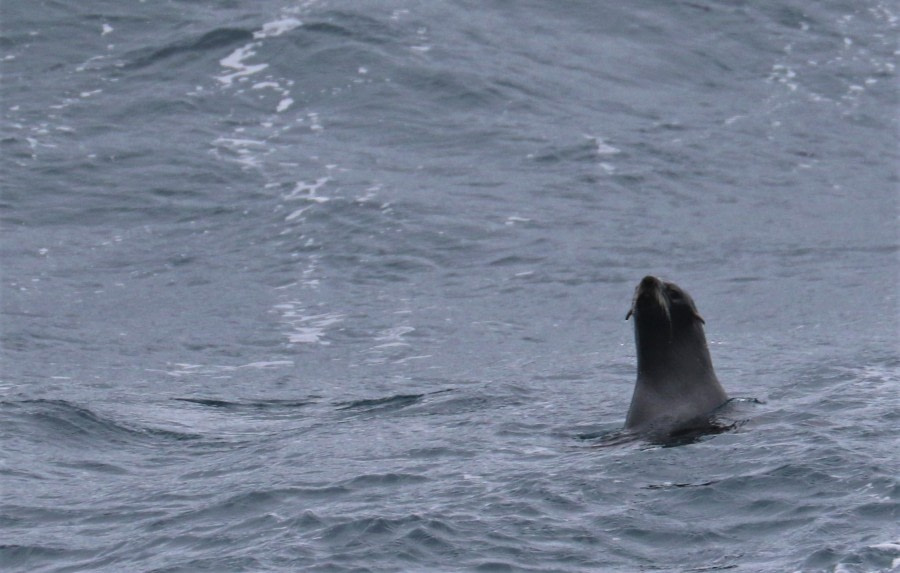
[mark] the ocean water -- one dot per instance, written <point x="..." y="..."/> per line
<point x="341" y="286"/>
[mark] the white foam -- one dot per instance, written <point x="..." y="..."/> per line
<point x="409" y="358"/>
<point x="284" y="104"/>
<point x="783" y="75"/>
<point x="106" y="29"/>
<point x="263" y="85"/>
<point x="241" y="148"/>
<point x="513" y="219"/>
<point x="182" y="369"/>
<point x="308" y="191"/>
<point x="296" y="213"/>
<point x="394" y="334"/>
<point x="370" y="194"/>
<point x="235" y="61"/>
<point x="268" y="364"/>
<point x="277" y="28"/>
<point x="235" y="142"/>
<point x="603" y="148"/>
<point x="314" y="121"/>
<point x="390" y="345"/>
<point x="308" y="329"/>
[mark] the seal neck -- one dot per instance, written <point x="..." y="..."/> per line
<point x="660" y="352"/>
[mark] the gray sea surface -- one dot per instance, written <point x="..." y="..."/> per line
<point x="341" y="286"/>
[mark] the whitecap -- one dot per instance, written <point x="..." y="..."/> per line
<point x="284" y="104"/>
<point x="308" y="191"/>
<point x="277" y="28"/>
<point x="235" y="61"/>
<point x="308" y="329"/>
<point x="603" y="148"/>
<point x="263" y="365"/>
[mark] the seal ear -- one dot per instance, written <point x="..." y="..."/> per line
<point x="679" y="295"/>
<point x="695" y="312"/>
<point x="631" y="311"/>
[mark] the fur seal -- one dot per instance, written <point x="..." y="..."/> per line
<point x="676" y="386"/>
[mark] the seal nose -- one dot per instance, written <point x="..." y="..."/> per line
<point x="649" y="282"/>
<point x="651" y="294"/>
<point x="649" y="286"/>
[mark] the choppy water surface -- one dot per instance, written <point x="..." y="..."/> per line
<point x="327" y="286"/>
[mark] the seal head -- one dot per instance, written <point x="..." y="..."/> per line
<point x="676" y="386"/>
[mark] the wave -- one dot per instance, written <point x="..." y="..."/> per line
<point x="68" y="422"/>
<point x="381" y="404"/>
<point x="249" y="405"/>
<point x="187" y="48"/>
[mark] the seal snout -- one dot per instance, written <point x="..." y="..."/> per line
<point x="650" y="294"/>
<point x="649" y="282"/>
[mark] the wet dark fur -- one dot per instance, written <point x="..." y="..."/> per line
<point x="676" y="389"/>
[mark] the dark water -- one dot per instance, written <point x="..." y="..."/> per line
<point x="340" y="286"/>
